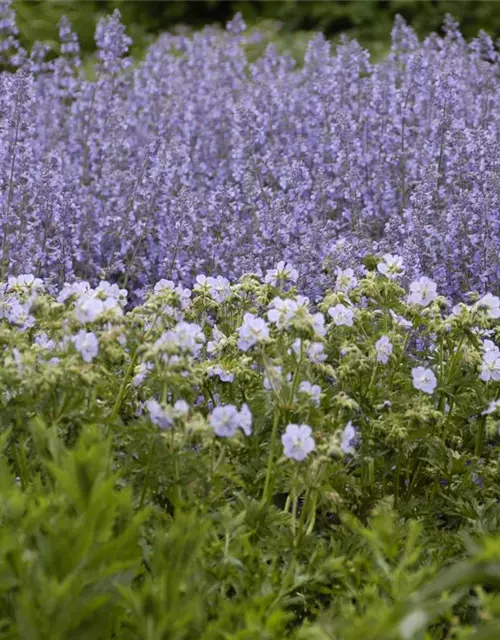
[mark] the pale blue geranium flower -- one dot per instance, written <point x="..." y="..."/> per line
<point x="424" y="379"/>
<point x="217" y="370"/>
<point x="490" y="366"/>
<point x="164" y="285"/>
<point x="312" y="391"/>
<point x="346" y="280"/>
<point x="316" y="352"/>
<point x="88" y="308"/>
<point x="282" y="273"/>
<point x="226" y="420"/>
<point x="383" y="349"/>
<point x="142" y="372"/>
<point x="349" y="439"/>
<point x="391" y="266"/>
<point x="273" y="379"/>
<point x="68" y="290"/>
<point x="180" y="409"/>
<point x="492" y="305"/>
<point x="423" y="291"/>
<point x="341" y="315"/>
<point x="185" y="336"/>
<point x="87" y="344"/>
<point x="297" y="442"/>
<point x="492" y="407"/>
<point x="160" y="416"/>
<point x="254" y="330"/>
<point x="26" y="281"/>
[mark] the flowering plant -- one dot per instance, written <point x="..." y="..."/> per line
<point x="246" y="390"/>
<point x="198" y="159"/>
<point x="297" y="424"/>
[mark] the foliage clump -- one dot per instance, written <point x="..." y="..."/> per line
<point x="233" y="461"/>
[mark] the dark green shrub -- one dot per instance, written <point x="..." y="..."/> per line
<point x="368" y="20"/>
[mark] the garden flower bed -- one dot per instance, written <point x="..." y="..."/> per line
<point x="249" y="340"/>
<point x="231" y="460"/>
<point x="197" y="160"/>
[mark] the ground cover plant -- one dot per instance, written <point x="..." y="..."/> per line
<point x="227" y="461"/>
<point x="247" y="389"/>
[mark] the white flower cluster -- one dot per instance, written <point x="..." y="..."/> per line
<point x="164" y="416"/>
<point x="90" y="304"/>
<point x="284" y="311"/>
<point x="254" y="330"/>
<point x="490" y="366"/>
<point x="280" y="274"/>
<point x="185" y="337"/>
<point x="218" y="288"/>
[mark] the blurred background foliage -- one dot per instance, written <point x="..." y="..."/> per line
<point x="369" y="21"/>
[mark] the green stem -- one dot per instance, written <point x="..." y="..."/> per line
<point x="294" y="515"/>
<point x="397" y="364"/>
<point x="372" y="380"/>
<point x="302" y="518"/>
<point x="164" y="390"/>
<point x="442" y="399"/>
<point x="296" y="375"/>
<point x="369" y="471"/>
<point x="219" y="459"/>
<point x="22" y="463"/>
<point x="396" y="479"/>
<point x="478" y="450"/>
<point x="287" y="503"/>
<point x="123" y="388"/>
<point x="267" y="369"/>
<point x="177" y="486"/>
<point x="312" y="519"/>
<point x="126" y="379"/>
<point x="448" y="416"/>
<point x="272" y="446"/>
<point x="212" y="458"/>
<point x="148" y="475"/>
<point x="414" y="480"/>
<point x="454" y="359"/>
